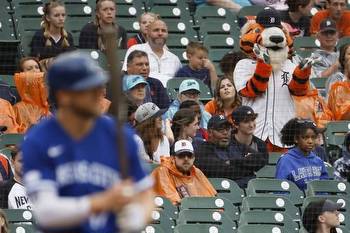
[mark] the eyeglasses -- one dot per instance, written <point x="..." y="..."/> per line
<point x="191" y="94"/>
<point x="183" y="155"/>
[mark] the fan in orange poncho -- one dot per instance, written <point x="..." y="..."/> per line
<point x="33" y="105"/>
<point x="339" y="100"/>
<point x="8" y="118"/>
<point x="177" y="177"/>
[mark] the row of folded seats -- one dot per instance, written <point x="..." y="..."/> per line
<point x="266" y="206"/>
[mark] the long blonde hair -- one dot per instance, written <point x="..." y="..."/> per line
<point x="100" y="43"/>
<point x="46" y="24"/>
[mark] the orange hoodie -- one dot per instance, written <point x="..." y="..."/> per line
<point x="312" y="106"/>
<point x="339" y="100"/>
<point x="33" y="105"/>
<point x="169" y="181"/>
<point x="8" y="117"/>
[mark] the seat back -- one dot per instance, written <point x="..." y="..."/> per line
<point x="267" y="171"/>
<point x="199" y="228"/>
<point x="163" y="204"/>
<point x="10" y="139"/>
<point x="228" y="189"/>
<point x="328" y="187"/>
<point x="260" y="228"/>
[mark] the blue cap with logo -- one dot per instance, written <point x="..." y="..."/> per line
<point x="189" y="84"/>
<point x="131" y="81"/>
<point x="269" y="17"/>
<point x="75" y="71"/>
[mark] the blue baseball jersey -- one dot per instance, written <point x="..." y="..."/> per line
<point x="76" y="168"/>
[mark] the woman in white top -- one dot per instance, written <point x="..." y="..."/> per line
<point x="185" y="124"/>
<point x="149" y="128"/>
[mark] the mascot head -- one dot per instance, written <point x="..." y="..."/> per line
<point x="267" y="31"/>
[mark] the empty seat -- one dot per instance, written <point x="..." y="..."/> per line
<point x="328" y="187"/>
<point x="200" y="228"/>
<point x="18" y="216"/>
<point x="163" y="204"/>
<point x="10" y="139"/>
<point x="161" y="219"/>
<point x="209" y="12"/>
<point x="260" y="228"/>
<point x="228" y="189"/>
<point x="274" y="157"/>
<point x="268" y="171"/>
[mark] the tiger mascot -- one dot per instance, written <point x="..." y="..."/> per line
<point x="267" y="79"/>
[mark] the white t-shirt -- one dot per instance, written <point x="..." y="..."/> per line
<point x="162" y="150"/>
<point x="17" y="198"/>
<point x="163" y="68"/>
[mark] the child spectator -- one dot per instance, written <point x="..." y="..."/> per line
<point x="226" y="99"/>
<point x="149" y="128"/>
<point x="90" y="36"/>
<point x="300" y="164"/>
<point x="52" y="39"/>
<point x="342" y="165"/>
<point x="177" y="177"/>
<point x="141" y="37"/>
<point x="185" y="125"/>
<point x="199" y="66"/>
<point x="135" y="89"/>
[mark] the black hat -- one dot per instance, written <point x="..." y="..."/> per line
<point x="217" y="122"/>
<point x="269" y="17"/>
<point x="243" y="112"/>
<point x="328" y="25"/>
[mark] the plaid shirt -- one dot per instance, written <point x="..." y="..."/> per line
<point x="342" y="167"/>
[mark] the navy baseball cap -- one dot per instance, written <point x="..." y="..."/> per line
<point x="327" y="25"/>
<point x="75" y="71"/>
<point x="269" y="17"/>
<point x="243" y="112"/>
<point x="218" y="122"/>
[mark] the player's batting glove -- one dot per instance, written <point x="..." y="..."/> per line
<point x="309" y="62"/>
<point x="261" y="53"/>
<point x="131" y="218"/>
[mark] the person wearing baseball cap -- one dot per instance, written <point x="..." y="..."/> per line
<point x="188" y="90"/>
<point x="269" y="17"/>
<point x="322" y="216"/>
<point x="177" y="177"/>
<point x="63" y="155"/>
<point x="135" y="87"/>
<point x="149" y="129"/>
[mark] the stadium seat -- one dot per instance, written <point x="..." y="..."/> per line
<point x="336" y="199"/>
<point x="330" y="171"/>
<point x="343" y="41"/>
<point x="216" y="27"/>
<point x="168" y="12"/>
<point x="153" y="228"/>
<point x="274" y="187"/>
<point x="18" y="216"/>
<point x="22" y="228"/>
<point x="249" y="11"/>
<point x="174" y="83"/>
<point x="127" y="12"/>
<point x="319" y="83"/>
<point x="271" y="203"/>
<point x="305" y="43"/>
<point x="199" y="228"/>
<point x="328" y="187"/>
<point x="8" y="79"/>
<point x="28" y="10"/>
<point x="268" y="171"/>
<point x="178" y="41"/>
<point x="131" y="26"/>
<point x="209" y="12"/>
<point x="163" y="204"/>
<point x="197" y="216"/>
<point x="10" y="139"/>
<point x="260" y="228"/>
<point x="228" y="189"/>
<point x="98" y="56"/>
<point x="335" y="134"/>
<point x="274" y="157"/>
<point x="213" y="203"/>
<point x="269" y="218"/>
<point x="161" y="219"/>
<point x="226" y="43"/>
<point x="6" y="152"/>
<point x="181" y="54"/>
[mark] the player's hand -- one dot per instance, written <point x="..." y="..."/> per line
<point x="132" y="218"/>
<point x="261" y="53"/>
<point x="208" y="64"/>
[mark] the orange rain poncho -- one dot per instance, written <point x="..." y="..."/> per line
<point x="168" y="180"/>
<point x="312" y="106"/>
<point x="33" y="105"/>
<point x="339" y="100"/>
<point x="8" y="117"/>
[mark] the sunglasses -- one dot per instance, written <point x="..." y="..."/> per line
<point x="183" y="155"/>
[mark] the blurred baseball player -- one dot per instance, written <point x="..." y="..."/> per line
<point x="71" y="167"/>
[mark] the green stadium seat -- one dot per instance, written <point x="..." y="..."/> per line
<point x="336" y="199"/>
<point x="343" y="41"/>
<point x="178" y="41"/>
<point x="174" y="83"/>
<point x="209" y="12"/>
<point x="344" y="218"/>
<point x="22" y="228"/>
<point x="268" y="171"/>
<point x="182" y="27"/>
<point x="215" y="55"/>
<point x="181" y="54"/>
<point x="305" y="43"/>
<point x="131" y="26"/>
<point x="199" y="228"/>
<point x="98" y="56"/>
<point x="18" y="216"/>
<point x="228" y="189"/>
<point x="163" y="204"/>
<point x="198" y="216"/>
<point x="28" y="10"/>
<point x="274" y="157"/>
<point x="8" y="79"/>
<point x="330" y="171"/>
<point x="212" y="203"/>
<point x="128" y="12"/>
<point x="226" y="42"/>
<point x="328" y="187"/>
<point x="6" y="152"/>
<point x="153" y="228"/>
<point x="269" y="218"/>
<point x="271" y="203"/>
<point x="167" y="12"/>
<point x="10" y="139"/>
<point x="216" y="27"/>
<point x="319" y="83"/>
<point x="274" y="187"/>
<point x="161" y="219"/>
<point x="260" y="228"/>
<point x="91" y="3"/>
<point x="249" y="11"/>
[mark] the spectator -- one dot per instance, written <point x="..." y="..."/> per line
<point x="277" y="4"/>
<point x="33" y="105"/>
<point x="138" y="64"/>
<point x="229" y="61"/>
<point x="219" y="157"/>
<point x="338" y="99"/>
<point x="188" y="90"/>
<point x="226" y="99"/>
<point x="245" y="125"/>
<point x="185" y="125"/>
<point x="13" y="193"/>
<point x="328" y="37"/>
<point x="132" y="107"/>
<point x="104" y="103"/>
<point x="177" y="177"/>
<point x="4" y="225"/>
<point x="29" y="64"/>
<point x="52" y="39"/>
<point x="336" y="10"/>
<point x="5" y="166"/>
<point x="232" y="5"/>
<point x="149" y="128"/>
<point x="135" y="88"/>
<point x="194" y="106"/>
<point x="342" y="165"/>
<point x="8" y="118"/>
<point x="163" y="63"/>
<point x="321" y="216"/>
<point x="90" y="35"/>
<point x="144" y="21"/>
<point x="199" y="66"/>
<point x="300" y="164"/>
<point x="298" y="17"/>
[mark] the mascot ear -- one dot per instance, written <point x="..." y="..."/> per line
<point x="250" y="34"/>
